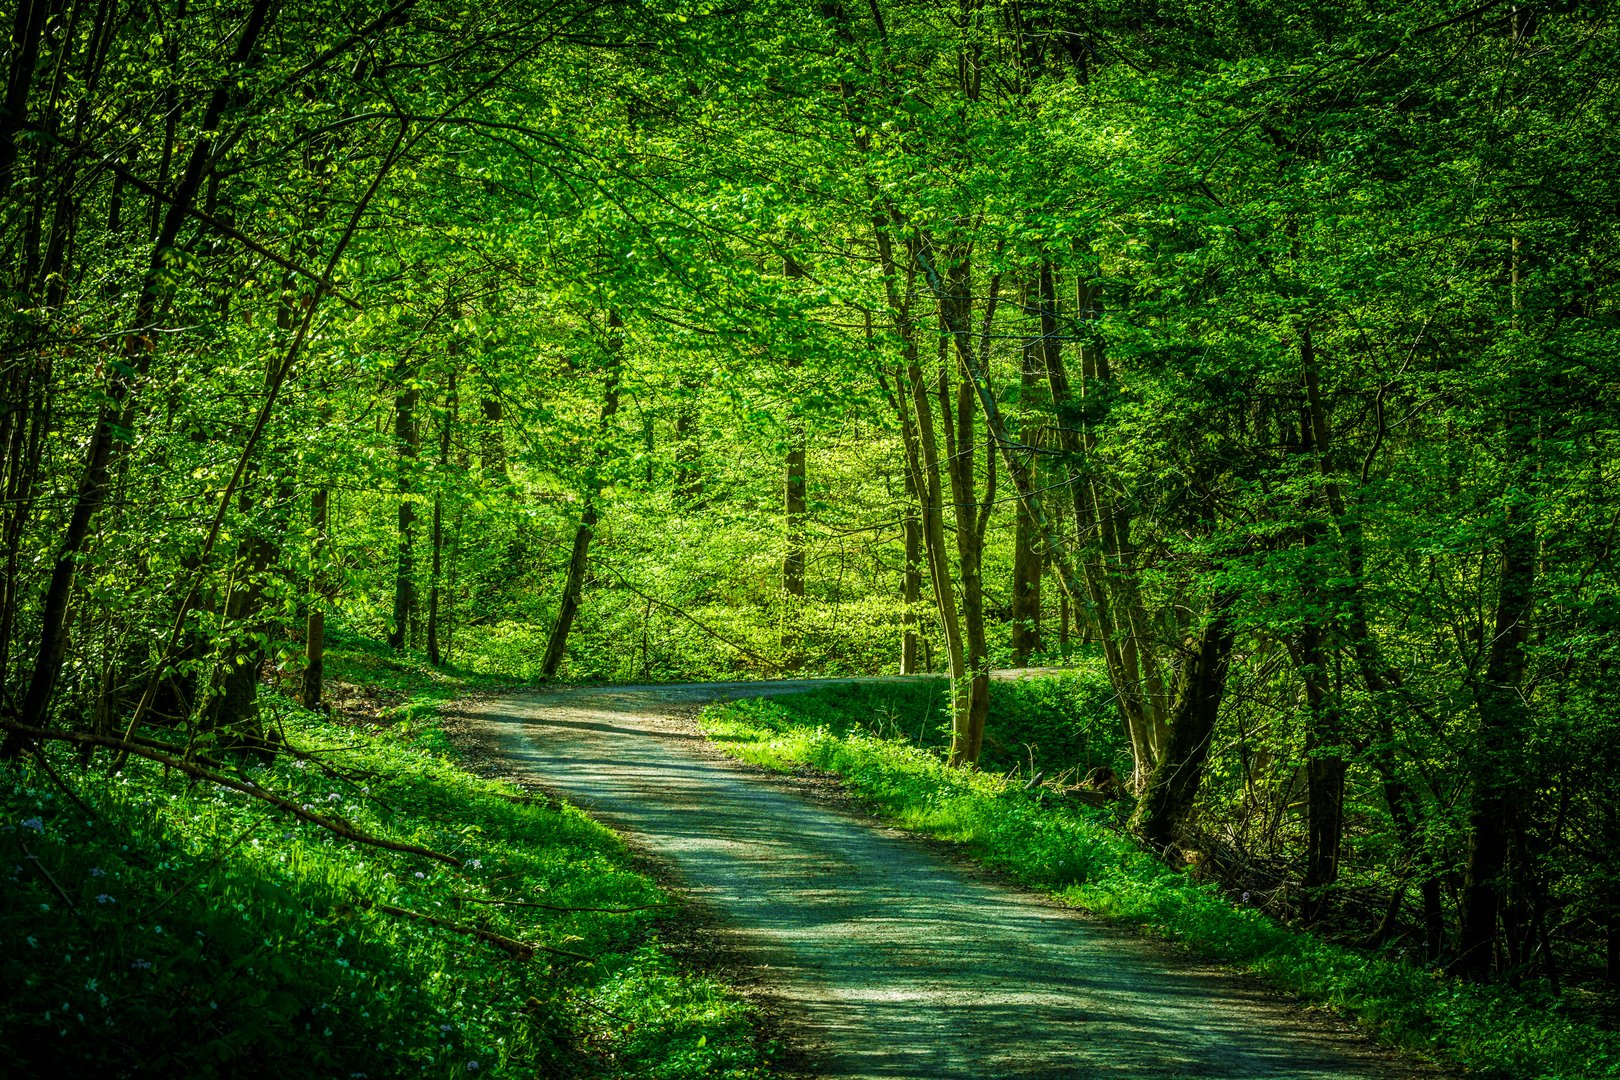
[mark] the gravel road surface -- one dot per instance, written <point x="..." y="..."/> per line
<point x="883" y="957"/>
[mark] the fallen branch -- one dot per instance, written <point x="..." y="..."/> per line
<point x="194" y="878"/>
<point x="50" y="770"/>
<point x="247" y="787"/>
<point x="693" y="619"/>
<point x="46" y="874"/>
<point x="522" y="950"/>
<point x="530" y="800"/>
<point x="332" y="773"/>
<point x="557" y="907"/>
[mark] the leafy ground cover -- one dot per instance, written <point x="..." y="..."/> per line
<point x="883" y="741"/>
<point x="157" y="925"/>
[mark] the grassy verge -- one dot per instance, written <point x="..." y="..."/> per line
<point x="183" y="929"/>
<point x="1079" y="854"/>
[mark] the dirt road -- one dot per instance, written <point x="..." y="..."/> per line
<point x="886" y="959"/>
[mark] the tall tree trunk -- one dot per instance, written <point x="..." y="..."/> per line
<point x="1028" y="559"/>
<point x="1063" y="622"/>
<point x="492" y="441"/>
<point x="793" y="513"/>
<point x="913" y="402"/>
<point x="793" y="507"/>
<point x="1493" y="812"/>
<point x="911" y="539"/>
<point x="1324" y="774"/>
<point x="1140" y="670"/>
<point x="922" y="456"/>
<point x="315" y="621"/>
<point x="688" y="445"/>
<point x="28" y="421"/>
<point x="27" y="30"/>
<point x="1165" y="809"/>
<point x="112" y="419"/>
<point x="236" y="709"/>
<point x="574" y="585"/>
<point x="407" y="439"/>
<point x="1385" y="683"/>
<point x="958" y="407"/>
<point x="1325" y="766"/>
<point x="1090" y="591"/>
<point x="975" y="369"/>
<point x="435" y="656"/>
<point x="573" y="591"/>
<point x="911" y="579"/>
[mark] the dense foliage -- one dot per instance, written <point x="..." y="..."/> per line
<point x="1266" y="350"/>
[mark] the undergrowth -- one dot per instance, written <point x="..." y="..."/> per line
<point x="180" y="928"/>
<point x="1080" y="854"/>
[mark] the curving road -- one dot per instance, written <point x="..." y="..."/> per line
<point x="886" y="959"/>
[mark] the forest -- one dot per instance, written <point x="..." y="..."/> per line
<point x="1253" y="362"/>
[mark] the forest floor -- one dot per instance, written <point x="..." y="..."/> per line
<point x="880" y="955"/>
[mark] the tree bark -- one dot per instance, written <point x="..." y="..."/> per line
<point x="435" y="656"/>
<point x="1324" y="774"/>
<point x="1090" y="591"/>
<point x="315" y="620"/>
<point x="27" y="30"/>
<point x="27" y="423"/>
<point x="793" y="505"/>
<point x="236" y="709"/>
<point x="492" y="441"/>
<point x="1493" y="814"/>
<point x="793" y="513"/>
<point x="912" y="400"/>
<point x="1385" y="683"/>
<point x="1028" y="559"/>
<point x="574" y="584"/>
<point x="1143" y="681"/>
<point x="922" y="458"/>
<point x="1165" y="809"/>
<point x="958" y="407"/>
<point x="911" y="579"/>
<point x="1063" y="622"/>
<point x="688" y="445"/>
<point x="407" y="438"/>
<point x="1325" y="766"/>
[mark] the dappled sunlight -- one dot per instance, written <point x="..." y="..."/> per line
<point x="889" y="960"/>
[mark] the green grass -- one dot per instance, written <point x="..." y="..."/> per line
<point x="1080" y="855"/>
<point x="188" y="930"/>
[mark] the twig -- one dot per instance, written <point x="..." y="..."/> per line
<point x="589" y="1004"/>
<point x="530" y="800"/>
<point x="46" y="874"/>
<point x="522" y="950"/>
<point x="332" y="773"/>
<point x="50" y="770"/>
<point x="246" y="787"/>
<point x="693" y="619"/>
<point x="556" y="907"/>
<point x="194" y="878"/>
